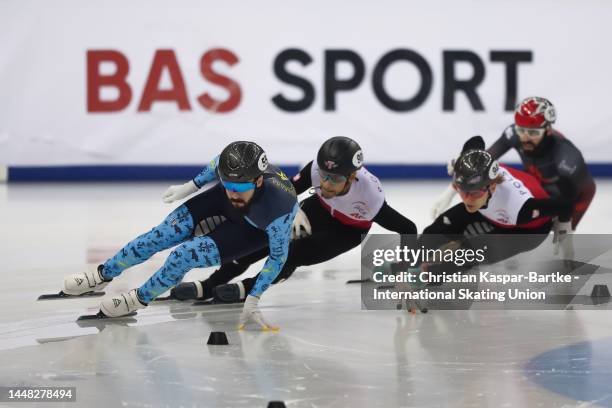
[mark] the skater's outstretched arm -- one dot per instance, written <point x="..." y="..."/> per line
<point x="553" y="207"/>
<point x="279" y="236"/>
<point x="392" y="220"/>
<point x="208" y="174"/>
<point x="180" y="191"/>
<point x="506" y="141"/>
<point x="302" y="181"/>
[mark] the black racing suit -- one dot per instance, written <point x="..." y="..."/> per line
<point x="557" y="164"/>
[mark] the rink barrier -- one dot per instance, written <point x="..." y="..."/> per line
<point x="128" y="173"/>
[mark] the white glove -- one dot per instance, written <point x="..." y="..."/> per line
<point x="251" y="312"/>
<point x="300" y="221"/>
<point x="442" y="202"/>
<point x="562" y="239"/>
<point x="450" y="167"/>
<point x="409" y="304"/>
<point x="178" y="192"/>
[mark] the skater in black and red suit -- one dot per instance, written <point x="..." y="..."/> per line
<point x="496" y="200"/>
<point x="548" y="156"/>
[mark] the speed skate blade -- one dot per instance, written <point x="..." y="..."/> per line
<point x="164" y="298"/>
<point x="215" y="302"/>
<point x="203" y="302"/>
<point x="62" y="295"/>
<point x="102" y="316"/>
<point x="359" y="280"/>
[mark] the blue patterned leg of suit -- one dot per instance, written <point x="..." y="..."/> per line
<point x="177" y="227"/>
<point x="198" y="252"/>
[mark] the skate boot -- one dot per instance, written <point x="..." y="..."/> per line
<point x="230" y="293"/>
<point x="190" y="291"/>
<point x="79" y="283"/>
<point x="121" y="304"/>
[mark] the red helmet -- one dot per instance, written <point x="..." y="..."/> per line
<point x="535" y="112"/>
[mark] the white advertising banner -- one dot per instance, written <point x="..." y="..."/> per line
<point x="159" y="82"/>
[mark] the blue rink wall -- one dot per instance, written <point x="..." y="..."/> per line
<point x="186" y="172"/>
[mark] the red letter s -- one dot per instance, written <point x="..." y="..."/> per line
<point x="232" y="87"/>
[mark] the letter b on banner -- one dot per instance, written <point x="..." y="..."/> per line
<point x="96" y="80"/>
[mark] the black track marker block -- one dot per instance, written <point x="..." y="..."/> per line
<point x="600" y="291"/>
<point x="600" y="294"/>
<point x="217" y="339"/>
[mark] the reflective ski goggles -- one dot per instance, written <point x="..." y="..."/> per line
<point x="332" y="178"/>
<point x="530" y="132"/>
<point x="472" y="193"/>
<point x="238" y="187"/>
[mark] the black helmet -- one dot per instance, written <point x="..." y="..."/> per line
<point x="340" y="155"/>
<point x="475" y="168"/>
<point x="242" y="162"/>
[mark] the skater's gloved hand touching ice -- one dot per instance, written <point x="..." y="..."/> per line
<point x="563" y="239"/>
<point x="178" y="192"/>
<point x="301" y="226"/>
<point x="251" y="312"/>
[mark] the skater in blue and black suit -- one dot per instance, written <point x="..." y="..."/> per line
<point x="253" y="205"/>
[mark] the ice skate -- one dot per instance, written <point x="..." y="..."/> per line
<point x="121" y="304"/>
<point x="80" y="283"/>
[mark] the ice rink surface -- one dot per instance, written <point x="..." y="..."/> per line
<point x="328" y="353"/>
